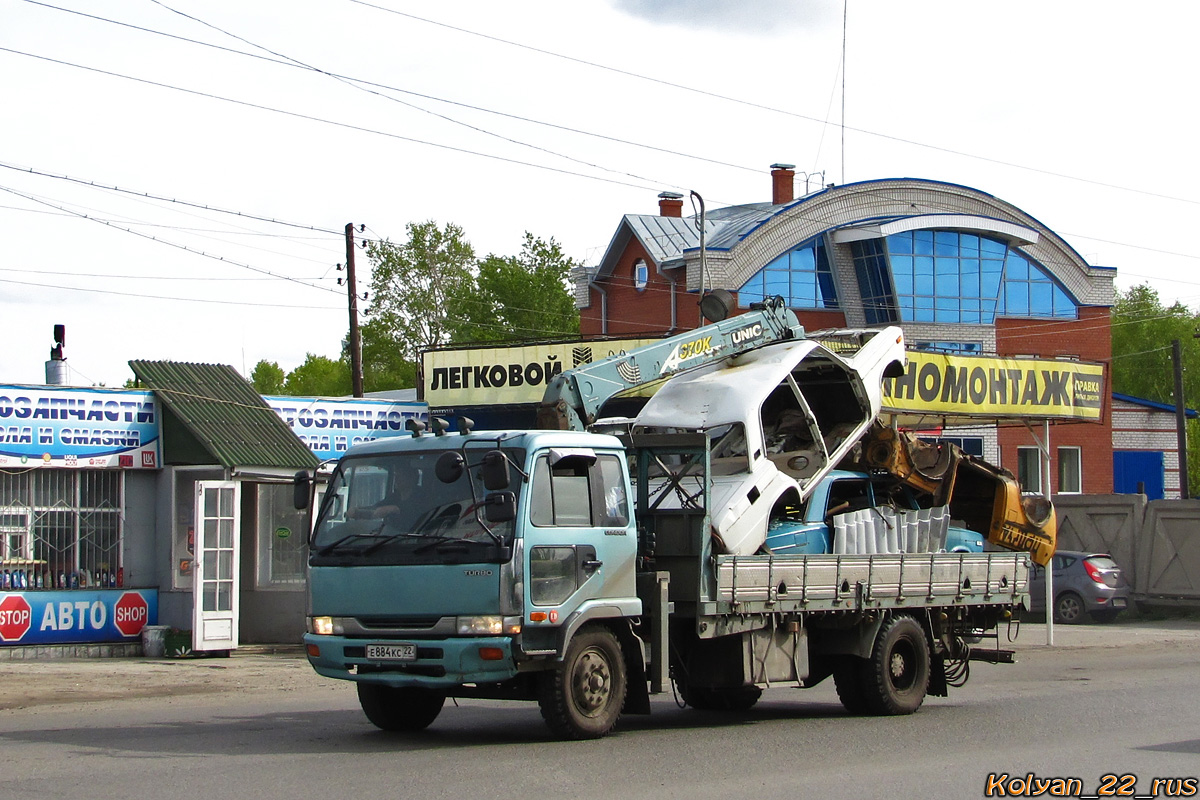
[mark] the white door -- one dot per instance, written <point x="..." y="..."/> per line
<point x="215" y="585"/>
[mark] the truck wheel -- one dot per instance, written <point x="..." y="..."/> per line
<point x="741" y="698"/>
<point x="895" y="678"/>
<point x="847" y="679"/>
<point x="399" y="709"/>
<point x="582" y="697"/>
<point x="1068" y="609"/>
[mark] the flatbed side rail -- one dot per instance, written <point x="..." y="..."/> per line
<point x="757" y="584"/>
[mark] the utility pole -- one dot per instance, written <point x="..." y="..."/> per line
<point x="1180" y="418"/>
<point x="356" y="369"/>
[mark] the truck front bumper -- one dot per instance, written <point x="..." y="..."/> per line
<point x="444" y="662"/>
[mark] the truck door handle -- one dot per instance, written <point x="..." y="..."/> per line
<point x="592" y="564"/>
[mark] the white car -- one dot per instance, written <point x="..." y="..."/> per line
<point x="778" y="419"/>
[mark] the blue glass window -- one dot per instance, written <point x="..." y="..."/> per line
<point x="802" y="277"/>
<point x="970" y="348"/>
<point x="947" y="276"/>
<point x="875" y="280"/>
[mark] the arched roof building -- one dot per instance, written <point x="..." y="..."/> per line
<point x="959" y="269"/>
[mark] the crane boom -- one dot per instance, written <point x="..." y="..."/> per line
<point x="574" y="398"/>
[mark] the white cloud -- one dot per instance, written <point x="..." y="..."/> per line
<point x="748" y="16"/>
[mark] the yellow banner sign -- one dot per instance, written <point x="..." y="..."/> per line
<point x="936" y="383"/>
<point x="933" y="383"/>
<point x="505" y="375"/>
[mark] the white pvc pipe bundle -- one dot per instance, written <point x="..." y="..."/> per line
<point x="883" y="530"/>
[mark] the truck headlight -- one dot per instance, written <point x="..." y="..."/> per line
<point x="322" y="626"/>
<point x="490" y="625"/>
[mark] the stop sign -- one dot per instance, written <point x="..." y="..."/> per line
<point x="15" y="615"/>
<point x="130" y="613"/>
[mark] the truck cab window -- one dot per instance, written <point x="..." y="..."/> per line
<point x="576" y="494"/>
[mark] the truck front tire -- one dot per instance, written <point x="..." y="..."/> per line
<point x="581" y="698"/>
<point x="399" y="709"/>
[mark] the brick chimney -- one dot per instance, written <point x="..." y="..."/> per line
<point x="783" y="178"/>
<point x="670" y="204"/>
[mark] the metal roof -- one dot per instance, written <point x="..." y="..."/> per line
<point x="664" y="238"/>
<point x="1141" y="401"/>
<point x="224" y="413"/>
<point x="734" y="222"/>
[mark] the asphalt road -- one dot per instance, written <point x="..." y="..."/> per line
<point x="1117" y="700"/>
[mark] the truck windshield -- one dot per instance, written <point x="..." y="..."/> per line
<point x="392" y="509"/>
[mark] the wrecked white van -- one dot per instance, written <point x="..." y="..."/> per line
<point x="778" y="419"/>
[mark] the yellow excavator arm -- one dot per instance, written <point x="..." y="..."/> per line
<point x="987" y="499"/>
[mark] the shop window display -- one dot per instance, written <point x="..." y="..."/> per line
<point x="60" y="529"/>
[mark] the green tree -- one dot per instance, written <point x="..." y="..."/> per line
<point x="416" y="289"/>
<point x="1143" y="329"/>
<point x="522" y="297"/>
<point x="384" y="365"/>
<point x="1142" y="332"/>
<point x="268" y="377"/>
<point x="319" y="376"/>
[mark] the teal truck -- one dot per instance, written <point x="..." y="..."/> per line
<point x="587" y="571"/>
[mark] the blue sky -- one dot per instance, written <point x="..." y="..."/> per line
<point x="555" y="118"/>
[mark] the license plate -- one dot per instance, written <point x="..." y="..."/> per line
<point x="392" y="652"/>
<point x="1118" y="602"/>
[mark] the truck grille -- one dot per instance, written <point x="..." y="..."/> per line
<point x="408" y="623"/>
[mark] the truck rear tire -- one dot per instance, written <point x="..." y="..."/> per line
<point x="848" y="680"/>
<point x="582" y="697"/>
<point x="896" y="676"/>
<point x="399" y="708"/>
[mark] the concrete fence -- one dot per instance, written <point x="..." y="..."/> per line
<point x="1156" y="543"/>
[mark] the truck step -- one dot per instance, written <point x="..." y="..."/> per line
<point x="995" y="656"/>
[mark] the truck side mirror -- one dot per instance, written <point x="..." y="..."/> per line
<point x="494" y="469"/>
<point x="449" y="467"/>
<point x="500" y="506"/>
<point x="301" y="489"/>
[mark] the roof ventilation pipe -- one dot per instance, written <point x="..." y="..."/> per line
<point x="670" y="204"/>
<point x="56" y="367"/>
<point x="783" y="179"/>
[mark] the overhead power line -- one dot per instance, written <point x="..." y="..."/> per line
<point x="355" y="85"/>
<point x="772" y="109"/>
<point x="175" y="245"/>
<point x="144" y="296"/>
<point x="203" y="206"/>
<point x="311" y="118"/>
<point x="359" y="83"/>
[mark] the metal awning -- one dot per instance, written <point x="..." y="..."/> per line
<point x="214" y="415"/>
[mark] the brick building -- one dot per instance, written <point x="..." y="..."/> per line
<point x="960" y="270"/>
<point x="1145" y="447"/>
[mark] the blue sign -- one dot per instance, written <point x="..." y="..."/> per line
<point x="330" y="427"/>
<point x="67" y="427"/>
<point x="74" y="617"/>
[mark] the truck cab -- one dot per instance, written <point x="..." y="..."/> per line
<point x="445" y="562"/>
